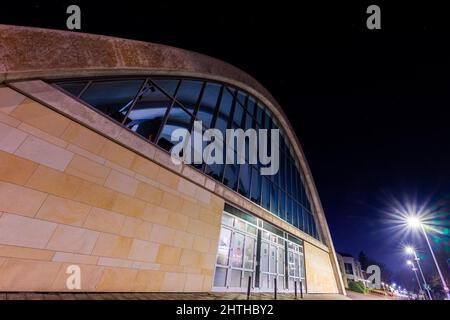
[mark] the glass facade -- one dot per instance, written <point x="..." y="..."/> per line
<point x="154" y="107"/>
<point x="258" y="252"/>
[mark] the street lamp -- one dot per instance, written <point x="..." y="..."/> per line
<point x="410" y="250"/>
<point x="414" y="222"/>
<point x="413" y="268"/>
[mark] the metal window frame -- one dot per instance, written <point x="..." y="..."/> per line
<point x="233" y="91"/>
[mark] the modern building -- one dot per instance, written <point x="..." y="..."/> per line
<point x="86" y="178"/>
<point x="351" y="269"/>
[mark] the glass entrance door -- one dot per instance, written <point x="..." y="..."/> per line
<point x="272" y="262"/>
<point x="236" y="257"/>
<point x="296" y="270"/>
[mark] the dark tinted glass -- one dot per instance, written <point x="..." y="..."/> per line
<point x="282" y="209"/>
<point x="144" y="110"/>
<point x="295" y="214"/>
<point x="274" y="199"/>
<point x="74" y="88"/>
<point x="148" y="112"/>
<point x="251" y="105"/>
<point x="244" y="179"/>
<point x="208" y="104"/>
<point x="259" y="114"/>
<point x="300" y="217"/>
<point x="288" y="176"/>
<point x="167" y="86"/>
<point x="223" y="115"/>
<point x="188" y="93"/>
<point x="178" y="118"/>
<point x="241" y="97"/>
<point x="265" y="193"/>
<point x="289" y="209"/>
<point x="237" y="116"/>
<point x="255" y="194"/>
<point x="113" y="98"/>
<point x="230" y="178"/>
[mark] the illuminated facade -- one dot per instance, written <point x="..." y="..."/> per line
<point x="86" y="176"/>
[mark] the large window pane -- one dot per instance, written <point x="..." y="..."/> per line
<point x="259" y="111"/>
<point x="113" y="98"/>
<point x="237" y="254"/>
<point x="273" y="259"/>
<point x="251" y="105"/>
<point x="244" y="179"/>
<point x="300" y="218"/>
<point x="264" y="257"/>
<point x="255" y="194"/>
<point x="274" y="199"/>
<point x="237" y="116"/>
<point x="289" y="209"/>
<point x="178" y="118"/>
<point x="167" y="85"/>
<point x="224" y="247"/>
<point x="148" y="112"/>
<point x="280" y="261"/>
<point x="288" y="176"/>
<point x="249" y="252"/>
<point x="295" y="214"/>
<point x="282" y="210"/>
<point x="265" y="193"/>
<point x="208" y="104"/>
<point x="220" y="277"/>
<point x="188" y="93"/>
<point x="230" y="178"/>
<point x="224" y="113"/>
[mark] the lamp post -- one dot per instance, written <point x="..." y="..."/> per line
<point x="415" y="222"/>
<point x="410" y="250"/>
<point x="413" y="268"/>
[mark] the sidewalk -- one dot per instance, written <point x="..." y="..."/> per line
<point x="160" y="296"/>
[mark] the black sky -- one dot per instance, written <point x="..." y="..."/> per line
<point x="370" y="107"/>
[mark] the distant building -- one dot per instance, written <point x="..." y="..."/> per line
<point x="351" y="269"/>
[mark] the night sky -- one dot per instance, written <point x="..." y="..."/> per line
<point x="370" y="107"/>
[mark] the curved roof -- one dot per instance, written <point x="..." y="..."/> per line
<point x="33" y="53"/>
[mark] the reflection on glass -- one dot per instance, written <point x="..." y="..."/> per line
<point x="249" y="252"/>
<point x="167" y="85"/>
<point x="113" y="98"/>
<point x="227" y="220"/>
<point x="264" y="257"/>
<point x="224" y="247"/>
<point x="265" y="193"/>
<point x="144" y="110"/>
<point x="280" y="261"/>
<point x="244" y="180"/>
<point x="208" y="104"/>
<point x="178" y="119"/>
<point x="235" y="278"/>
<point x="255" y="194"/>
<point x="273" y="259"/>
<point x="188" y="93"/>
<point x="237" y="254"/>
<point x="230" y="178"/>
<point x="220" y="277"/>
<point x="148" y="112"/>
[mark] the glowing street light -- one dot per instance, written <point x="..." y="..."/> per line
<point x="410" y="250"/>
<point x="414" y="222"/>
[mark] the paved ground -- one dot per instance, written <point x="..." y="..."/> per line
<point x="160" y="296"/>
<point x="359" y="296"/>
